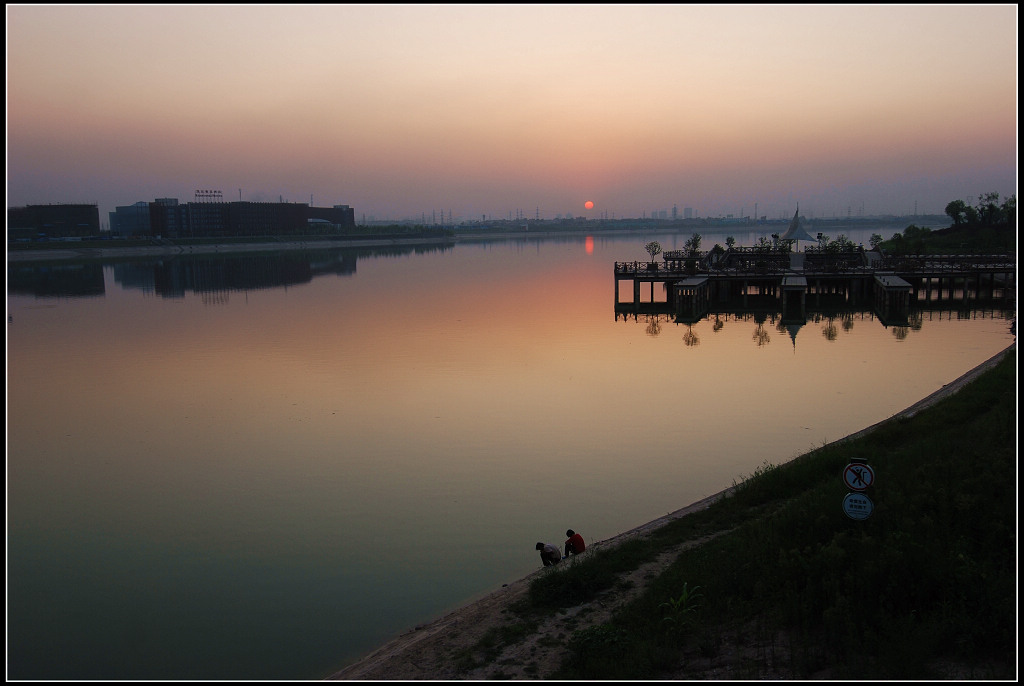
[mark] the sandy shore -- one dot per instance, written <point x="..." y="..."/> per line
<point x="429" y="651"/>
<point x="426" y="651"/>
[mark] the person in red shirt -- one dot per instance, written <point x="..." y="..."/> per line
<point x="574" y="545"/>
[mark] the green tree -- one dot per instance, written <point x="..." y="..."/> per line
<point x="1010" y="210"/>
<point x="989" y="209"/>
<point x="955" y="209"/>
<point x="840" y="244"/>
<point x="896" y="246"/>
<point x="730" y="242"/>
<point x="913" y="238"/>
<point x="693" y="244"/>
<point x="875" y="241"/>
<point x="654" y="248"/>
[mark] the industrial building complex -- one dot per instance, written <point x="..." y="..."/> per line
<point x="208" y="217"/>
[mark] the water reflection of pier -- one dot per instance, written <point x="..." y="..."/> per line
<point x="797" y="285"/>
<point x="770" y="325"/>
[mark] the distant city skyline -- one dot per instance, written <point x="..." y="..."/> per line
<point x="407" y="111"/>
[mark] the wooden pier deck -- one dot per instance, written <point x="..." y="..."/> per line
<point x="694" y="285"/>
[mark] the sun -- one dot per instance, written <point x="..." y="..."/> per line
<point x="589" y="204"/>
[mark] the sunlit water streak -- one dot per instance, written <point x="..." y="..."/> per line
<point x="269" y="482"/>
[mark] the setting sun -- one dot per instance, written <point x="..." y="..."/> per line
<point x="589" y="205"/>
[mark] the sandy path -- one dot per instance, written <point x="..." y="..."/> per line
<point x="432" y="651"/>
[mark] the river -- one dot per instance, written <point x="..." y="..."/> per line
<point x="262" y="467"/>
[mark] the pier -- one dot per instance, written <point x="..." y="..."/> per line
<point x="695" y="285"/>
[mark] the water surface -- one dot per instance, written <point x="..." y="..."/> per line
<point x="264" y="468"/>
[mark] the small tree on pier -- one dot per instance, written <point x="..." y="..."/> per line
<point x="654" y="248"/>
<point x="693" y="245"/>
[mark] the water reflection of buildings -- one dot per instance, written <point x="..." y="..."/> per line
<point x="210" y="275"/>
<point x="213" y="274"/>
<point x="55" y="280"/>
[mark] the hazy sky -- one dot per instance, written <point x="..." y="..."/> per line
<point x="406" y="110"/>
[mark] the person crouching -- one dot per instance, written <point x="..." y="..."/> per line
<point x="549" y="554"/>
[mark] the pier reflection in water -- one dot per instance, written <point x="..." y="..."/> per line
<point x="210" y="478"/>
<point x="696" y="284"/>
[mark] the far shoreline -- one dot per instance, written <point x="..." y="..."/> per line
<point x="70" y="250"/>
<point x="60" y="250"/>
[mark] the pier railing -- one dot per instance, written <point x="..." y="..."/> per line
<point x="948" y="263"/>
<point x="673" y="270"/>
<point x="751" y="262"/>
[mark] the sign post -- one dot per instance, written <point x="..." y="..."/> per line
<point x="857" y="506"/>
<point x="858" y="476"/>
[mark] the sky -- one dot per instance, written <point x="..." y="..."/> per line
<point x="507" y="111"/>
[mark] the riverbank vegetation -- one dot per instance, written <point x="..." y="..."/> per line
<point x="988" y="227"/>
<point x="923" y="588"/>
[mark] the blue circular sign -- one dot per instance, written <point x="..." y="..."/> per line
<point x="857" y="506"/>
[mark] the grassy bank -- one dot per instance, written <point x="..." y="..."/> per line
<point x="923" y="588"/>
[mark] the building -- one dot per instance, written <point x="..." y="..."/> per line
<point x="163" y="217"/>
<point x="342" y="216"/>
<point x="131" y="220"/>
<point x="168" y="218"/>
<point x="53" y="221"/>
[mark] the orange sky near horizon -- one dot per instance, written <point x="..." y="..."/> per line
<point x="494" y="110"/>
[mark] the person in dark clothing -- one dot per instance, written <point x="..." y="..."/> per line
<point x="574" y="545"/>
<point x="549" y="554"/>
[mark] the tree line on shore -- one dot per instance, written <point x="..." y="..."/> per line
<point x="989" y="226"/>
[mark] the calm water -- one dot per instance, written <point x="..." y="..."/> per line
<point x="255" y="468"/>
